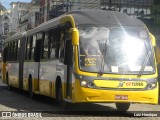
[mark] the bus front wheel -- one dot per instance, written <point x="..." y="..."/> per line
<point x="122" y="106"/>
<point x="59" y="98"/>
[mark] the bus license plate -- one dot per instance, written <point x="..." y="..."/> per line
<point x="121" y="97"/>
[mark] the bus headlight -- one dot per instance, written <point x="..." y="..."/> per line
<point x="87" y="84"/>
<point x="151" y="86"/>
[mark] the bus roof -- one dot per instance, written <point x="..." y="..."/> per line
<point x="91" y="17"/>
<point x="104" y="17"/>
<point x="88" y="17"/>
<point x="16" y="36"/>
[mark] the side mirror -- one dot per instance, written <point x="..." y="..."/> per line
<point x="75" y="36"/>
<point x="153" y="40"/>
<point x="157" y="54"/>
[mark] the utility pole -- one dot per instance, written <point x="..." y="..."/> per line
<point x="67" y="6"/>
<point x="110" y="4"/>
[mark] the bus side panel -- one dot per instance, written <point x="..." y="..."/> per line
<point x="3" y="72"/>
<point x="13" y="73"/>
<point x="101" y="95"/>
<point x="47" y="77"/>
<point x="30" y="68"/>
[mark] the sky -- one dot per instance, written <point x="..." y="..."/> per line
<point x="6" y="3"/>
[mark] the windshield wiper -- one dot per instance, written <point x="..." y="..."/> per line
<point x="101" y="71"/>
<point x="144" y="64"/>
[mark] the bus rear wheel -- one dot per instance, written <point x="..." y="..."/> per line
<point x="122" y="106"/>
<point x="7" y="81"/>
<point x="30" y="87"/>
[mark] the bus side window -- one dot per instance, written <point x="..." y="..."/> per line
<point x="62" y="45"/>
<point x="5" y="52"/>
<point x="13" y="51"/>
<point x="16" y="50"/>
<point x="38" y="47"/>
<point x="10" y="51"/>
<point x="8" y="48"/>
<point x="64" y="37"/>
<point x="33" y="47"/>
<point x="52" y="44"/>
<point x="68" y="50"/>
<point x="45" y="45"/>
<point x="27" y="49"/>
<point x="57" y="38"/>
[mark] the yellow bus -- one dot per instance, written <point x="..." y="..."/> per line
<point x="85" y="56"/>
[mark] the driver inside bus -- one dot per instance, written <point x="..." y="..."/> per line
<point x="90" y="45"/>
<point x="93" y="40"/>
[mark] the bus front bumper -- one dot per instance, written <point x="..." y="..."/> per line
<point x="83" y="94"/>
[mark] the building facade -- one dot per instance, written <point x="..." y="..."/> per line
<point x="3" y="25"/>
<point x="23" y="22"/>
<point x="34" y="14"/>
<point x="17" y="9"/>
<point x="6" y="23"/>
<point x="50" y="9"/>
<point x="26" y="16"/>
<point x="146" y="10"/>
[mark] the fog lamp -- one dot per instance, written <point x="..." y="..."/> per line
<point x="83" y="83"/>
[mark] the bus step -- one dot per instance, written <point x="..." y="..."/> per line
<point x="68" y="97"/>
<point x="67" y="100"/>
<point x="37" y="92"/>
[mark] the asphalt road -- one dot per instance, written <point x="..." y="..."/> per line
<point x="15" y="104"/>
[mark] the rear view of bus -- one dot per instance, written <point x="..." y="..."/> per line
<point x="115" y="60"/>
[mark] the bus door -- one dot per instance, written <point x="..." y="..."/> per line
<point x="37" y="54"/>
<point x="21" y="55"/>
<point x="68" y="60"/>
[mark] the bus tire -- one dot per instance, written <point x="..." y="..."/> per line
<point x="59" y="98"/>
<point x="122" y="106"/>
<point x="30" y="87"/>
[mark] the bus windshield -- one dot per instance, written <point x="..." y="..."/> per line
<point x="115" y="50"/>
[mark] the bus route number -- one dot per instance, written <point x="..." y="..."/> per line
<point x="90" y="61"/>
